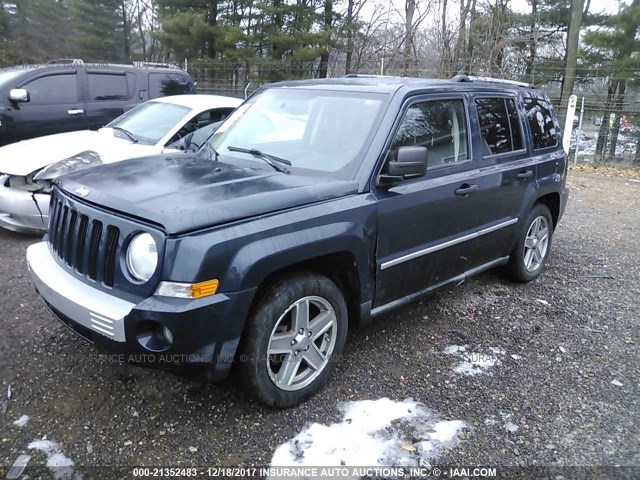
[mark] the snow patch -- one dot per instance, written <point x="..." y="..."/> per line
<point x="22" y="421"/>
<point x="61" y="467"/>
<point x="372" y="432"/>
<point x="474" y="362"/>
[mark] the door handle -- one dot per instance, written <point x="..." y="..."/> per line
<point x="75" y="111"/>
<point x="525" y="174"/>
<point x="466" y="189"/>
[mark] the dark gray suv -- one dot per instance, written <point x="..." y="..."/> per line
<point x="68" y="95"/>
<point x="315" y="206"/>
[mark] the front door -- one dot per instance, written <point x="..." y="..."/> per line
<point x="55" y="105"/>
<point x="424" y="224"/>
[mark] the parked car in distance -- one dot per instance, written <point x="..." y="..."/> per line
<point x="27" y="168"/>
<point x="259" y="251"/>
<point x="68" y="95"/>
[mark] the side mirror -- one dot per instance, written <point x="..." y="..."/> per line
<point x="411" y="162"/>
<point x="19" y="95"/>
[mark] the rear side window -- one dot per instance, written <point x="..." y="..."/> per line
<point x="107" y="87"/>
<point x="53" y="90"/>
<point x="543" y="127"/>
<point x="499" y="125"/>
<point x="163" y="84"/>
<point x="439" y="125"/>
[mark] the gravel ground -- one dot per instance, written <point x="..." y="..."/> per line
<point x="566" y="337"/>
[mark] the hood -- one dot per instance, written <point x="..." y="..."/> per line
<point x="28" y="156"/>
<point x="189" y="192"/>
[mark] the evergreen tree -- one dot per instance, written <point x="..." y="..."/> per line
<point x="99" y="30"/>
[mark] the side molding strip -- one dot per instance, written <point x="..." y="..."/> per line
<point x="450" y="243"/>
<point x="410" y="298"/>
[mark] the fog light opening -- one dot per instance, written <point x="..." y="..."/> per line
<point x="154" y="336"/>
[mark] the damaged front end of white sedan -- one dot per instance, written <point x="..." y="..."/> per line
<point x="24" y="199"/>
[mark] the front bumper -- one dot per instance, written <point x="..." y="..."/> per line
<point x="23" y="211"/>
<point x="205" y="332"/>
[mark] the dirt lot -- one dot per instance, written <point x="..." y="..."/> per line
<point x="562" y="386"/>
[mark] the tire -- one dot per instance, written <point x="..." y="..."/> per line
<point x="282" y="360"/>
<point x="529" y="257"/>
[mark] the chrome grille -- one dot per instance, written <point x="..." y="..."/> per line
<point x="84" y="244"/>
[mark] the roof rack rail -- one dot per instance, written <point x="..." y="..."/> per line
<point x="467" y="78"/>
<point x="66" y="61"/>
<point x="141" y="64"/>
<point x="368" y="75"/>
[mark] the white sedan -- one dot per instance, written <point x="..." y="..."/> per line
<point x="28" y="167"/>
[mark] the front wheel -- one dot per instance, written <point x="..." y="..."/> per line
<point x="295" y="334"/>
<point x="529" y="257"/>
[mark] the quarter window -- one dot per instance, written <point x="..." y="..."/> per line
<point x="107" y="87"/>
<point x="439" y="125"/>
<point x="499" y="125"/>
<point x="543" y="127"/>
<point x="163" y="84"/>
<point x="53" y="90"/>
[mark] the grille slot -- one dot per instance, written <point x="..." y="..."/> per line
<point x="94" y="247"/>
<point x="83" y="243"/>
<point x="110" y="258"/>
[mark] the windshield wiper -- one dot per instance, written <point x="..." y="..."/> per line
<point x="270" y="159"/>
<point x="127" y="133"/>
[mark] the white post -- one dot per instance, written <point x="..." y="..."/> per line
<point x="579" y="133"/>
<point x="568" y="123"/>
<point x="382" y="66"/>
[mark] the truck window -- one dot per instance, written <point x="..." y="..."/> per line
<point x="53" y="89"/>
<point x="439" y="125"/>
<point x="104" y="86"/>
<point x="543" y="128"/>
<point x="163" y="84"/>
<point x="499" y="125"/>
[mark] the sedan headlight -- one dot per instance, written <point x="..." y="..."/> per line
<point x="78" y="162"/>
<point x="142" y="257"/>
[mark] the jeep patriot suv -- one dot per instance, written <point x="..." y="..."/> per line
<point x="317" y="205"/>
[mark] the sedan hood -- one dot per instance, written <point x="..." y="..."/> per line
<point x="28" y="156"/>
<point x="190" y="192"/>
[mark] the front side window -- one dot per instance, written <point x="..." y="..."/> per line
<point x="107" y="87"/>
<point x="499" y="125"/>
<point x="543" y="127"/>
<point x="53" y="89"/>
<point x="150" y="121"/>
<point x="321" y="132"/>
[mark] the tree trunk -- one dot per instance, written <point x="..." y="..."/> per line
<point x="350" y="34"/>
<point x="212" y="20"/>
<point x="603" y="133"/>
<point x="445" y="68"/>
<point x="324" y="56"/>
<point x="125" y="32"/>
<point x="410" y="10"/>
<point x="470" y="49"/>
<point x="573" y="37"/>
<point x="622" y="87"/>
<point x="533" y="41"/>
<point x="460" y="50"/>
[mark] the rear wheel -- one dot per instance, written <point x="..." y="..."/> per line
<point x="295" y="334"/>
<point x="529" y="257"/>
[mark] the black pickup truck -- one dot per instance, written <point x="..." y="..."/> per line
<point x="317" y="205"/>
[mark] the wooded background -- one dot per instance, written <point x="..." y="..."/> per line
<point x="563" y="47"/>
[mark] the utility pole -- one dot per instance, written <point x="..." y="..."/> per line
<point x="573" y="41"/>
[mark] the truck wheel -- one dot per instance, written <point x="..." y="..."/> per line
<point x="296" y="333"/>
<point x="529" y="257"/>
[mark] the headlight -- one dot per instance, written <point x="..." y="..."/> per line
<point x="142" y="257"/>
<point x="80" y="161"/>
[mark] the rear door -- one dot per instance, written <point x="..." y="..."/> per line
<point x="424" y="224"/>
<point x="506" y="172"/>
<point x="110" y="93"/>
<point x="56" y="104"/>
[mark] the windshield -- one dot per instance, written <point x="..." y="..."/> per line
<point x="151" y="121"/>
<point x="320" y="132"/>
